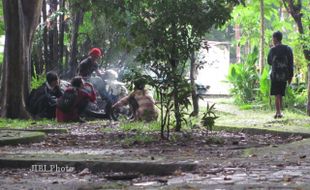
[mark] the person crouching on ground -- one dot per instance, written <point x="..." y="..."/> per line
<point x="143" y="104"/>
<point x="89" y="65"/>
<point x="80" y="101"/>
<point x="41" y="102"/>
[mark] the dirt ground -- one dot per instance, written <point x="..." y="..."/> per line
<point x="227" y="160"/>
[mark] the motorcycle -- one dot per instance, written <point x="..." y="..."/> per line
<point x="108" y="91"/>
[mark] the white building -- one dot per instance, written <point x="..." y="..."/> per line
<point x="215" y="69"/>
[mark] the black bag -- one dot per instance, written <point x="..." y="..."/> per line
<point x="35" y="99"/>
<point x="67" y="101"/>
<point x="280" y="69"/>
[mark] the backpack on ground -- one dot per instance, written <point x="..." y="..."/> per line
<point x="280" y="70"/>
<point x="67" y="101"/>
<point x="34" y="100"/>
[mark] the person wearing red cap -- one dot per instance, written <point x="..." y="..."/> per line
<point x="89" y="65"/>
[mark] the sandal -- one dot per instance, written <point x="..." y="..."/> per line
<point x="278" y="116"/>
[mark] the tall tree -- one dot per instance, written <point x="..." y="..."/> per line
<point x="77" y="19"/>
<point x="61" y="33"/>
<point x="193" y="76"/>
<point x="47" y="59"/>
<point x="52" y="27"/>
<point x="262" y="37"/>
<point x="168" y="31"/>
<point x="21" y="19"/>
<point x="295" y="9"/>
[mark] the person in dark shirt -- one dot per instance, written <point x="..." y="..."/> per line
<point x="41" y="102"/>
<point x="281" y="59"/>
<point x="90" y="65"/>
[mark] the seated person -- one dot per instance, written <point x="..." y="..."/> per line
<point x="41" y="102"/>
<point x="143" y="104"/>
<point x="84" y="94"/>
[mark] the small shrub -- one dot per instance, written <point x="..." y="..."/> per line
<point x="1" y="58"/>
<point x="264" y="86"/>
<point x="209" y="117"/>
<point x="244" y="79"/>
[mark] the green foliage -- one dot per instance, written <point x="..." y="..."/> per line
<point x="106" y="25"/>
<point x="289" y="98"/>
<point x="167" y="32"/>
<point x="276" y="18"/>
<point x="244" y="79"/>
<point x="2" y="29"/>
<point x="264" y="85"/>
<point x="246" y="107"/>
<point x="36" y="82"/>
<point x="1" y="58"/>
<point x="140" y="129"/>
<point x="301" y="99"/>
<point x="209" y="117"/>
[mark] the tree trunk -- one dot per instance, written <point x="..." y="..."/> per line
<point x="237" y="38"/>
<point x="174" y="65"/>
<point x="295" y="11"/>
<point x="37" y="59"/>
<point x="53" y="37"/>
<point x="21" y="19"/>
<point x="61" y="35"/>
<point x="45" y="38"/>
<point x="262" y="37"/>
<point x="308" y="104"/>
<point x="77" y="18"/>
<point x="177" y="113"/>
<point x="195" y="97"/>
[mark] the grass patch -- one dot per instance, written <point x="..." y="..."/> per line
<point x="258" y="117"/>
<point x="263" y="119"/>
<point x="246" y="107"/>
<point x="15" y="123"/>
<point x="140" y="126"/>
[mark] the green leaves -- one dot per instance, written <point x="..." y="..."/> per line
<point x="244" y="79"/>
<point x="209" y="117"/>
<point x="167" y="32"/>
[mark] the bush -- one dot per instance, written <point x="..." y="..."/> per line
<point x="244" y="79"/>
<point x="264" y="86"/>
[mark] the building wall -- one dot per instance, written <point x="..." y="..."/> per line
<point x="216" y="64"/>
